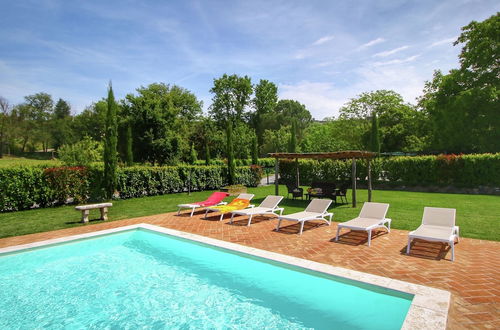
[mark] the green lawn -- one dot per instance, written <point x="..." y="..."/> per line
<point x="9" y="161"/>
<point x="477" y="215"/>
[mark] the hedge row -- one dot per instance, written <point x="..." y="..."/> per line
<point x="264" y="162"/>
<point x="467" y="171"/>
<point x="27" y="187"/>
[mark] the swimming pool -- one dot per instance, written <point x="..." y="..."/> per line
<point x="143" y="278"/>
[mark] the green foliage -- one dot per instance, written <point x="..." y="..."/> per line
<point x="264" y="102"/>
<point x="255" y="151"/>
<point x="110" y="146"/>
<point x="231" y="95"/>
<point x="276" y="140"/>
<point x="129" y="153"/>
<point x="374" y="135"/>
<point x="292" y="144"/>
<point x="67" y="183"/>
<point x="333" y="135"/>
<point x="193" y="156"/>
<point x="466" y="171"/>
<point x="231" y="177"/>
<point x="207" y="153"/>
<point x="287" y="111"/>
<point x="82" y="153"/>
<point x="62" y="109"/>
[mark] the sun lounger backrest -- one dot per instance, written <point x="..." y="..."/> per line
<point x="437" y="216"/>
<point x="318" y="205"/>
<point x="271" y="201"/>
<point x="374" y="210"/>
<point x="245" y="196"/>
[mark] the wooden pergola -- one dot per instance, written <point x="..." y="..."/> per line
<point x="349" y="154"/>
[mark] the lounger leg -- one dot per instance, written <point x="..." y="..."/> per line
<point x="206" y="212"/>
<point x="192" y="211"/>
<point x="408" y="246"/>
<point x="278" y="226"/>
<point x="85" y="215"/>
<point x="250" y="219"/>
<point x="179" y="211"/>
<point x="452" y="245"/>
<point x="221" y="216"/>
<point x="389" y="225"/>
<point x="369" y="237"/>
<point x="301" y="227"/>
<point x="338" y="231"/>
<point x="232" y="216"/>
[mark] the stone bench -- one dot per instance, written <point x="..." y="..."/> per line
<point x="86" y="210"/>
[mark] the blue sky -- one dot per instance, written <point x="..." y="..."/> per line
<point x="321" y="53"/>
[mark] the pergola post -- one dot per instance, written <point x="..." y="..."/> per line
<point x="369" y="180"/>
<point x="297" y="165"/>
<point x="276" y="173"/>
<point x="353" y="175"/>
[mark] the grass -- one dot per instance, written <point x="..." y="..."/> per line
<point x="477" y="215"/>
<point x="10" y="161"/>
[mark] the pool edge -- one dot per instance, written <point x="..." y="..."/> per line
<point x="428" y="309"/>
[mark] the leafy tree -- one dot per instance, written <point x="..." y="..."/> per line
<point x="374" y="135"/>
<point x="333" y="135"/>
<point x="91" y="121"/>
<point x="82" y="153"/>
<point x="62" y="109"/>
<point x="255" y="151"/>
<point x="110" y="143"/>
<point x="397" y="119"/>
<point x="61" y="131"/>
<point x="231" y="167"/>
<point x="287" y="111"/>
<point x="207" y="153"/>
<point x="40" y="109"/>
<point x="161" y="116"/>
<point x="264" y="102"/>
<point x="292" y="146"/>
<point x="276" y="140"/>
<point x="464" y="105"/>
<point x="243" y="147"/>
<point x="231" y="96"/>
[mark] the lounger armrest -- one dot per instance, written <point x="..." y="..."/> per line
<point x="280" y="209"/>
<point x="251" y="206"/>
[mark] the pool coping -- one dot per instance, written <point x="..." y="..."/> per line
<point x="429" y="307"/>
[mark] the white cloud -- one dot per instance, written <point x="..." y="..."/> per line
<point x="372" y="43"/>
<point x="447" y="41"/>
<point x="323" y="40"/>
<point x="397" y="61"/>
<point x="390" y="52"/>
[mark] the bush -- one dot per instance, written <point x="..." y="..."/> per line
<point x="82" y="153"/>
<point x="28" y="187"/>
<point x="464" y="171"/>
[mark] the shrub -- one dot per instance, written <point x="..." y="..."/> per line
<point x="82" y="153"/>
<point x="67" y="183"/>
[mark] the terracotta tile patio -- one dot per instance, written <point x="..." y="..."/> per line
<point x="473" y="279"/>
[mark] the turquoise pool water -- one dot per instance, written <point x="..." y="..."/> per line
<point x="143" y="279"/>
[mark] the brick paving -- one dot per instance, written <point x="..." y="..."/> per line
<point x="473" y="278"/>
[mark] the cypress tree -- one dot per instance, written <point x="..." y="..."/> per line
<point x="193" y="155"/>
<point x="374" y="135"/>
<point x="292" y="145"/>
<point x="255" y="151"/>
<point x="129" y="155"/>
<point x="110" y="142"/>
<point x="207" y="153"/>
<point x="231" y="168"/>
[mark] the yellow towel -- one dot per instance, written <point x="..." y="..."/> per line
<point x="236" y="204"/>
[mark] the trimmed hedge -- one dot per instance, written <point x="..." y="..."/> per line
<point x="27" y="187"/>
<point x="264" y="162"/>
<point x="464" y="171"/>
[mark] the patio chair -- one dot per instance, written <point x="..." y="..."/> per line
<point x="438" y="224"/>
<point x="341" y="192"/>
<point x="372" y="216"/>
<point x="239" y="203"/>
<point x="294" y="190"/>
<point x="269" y="206"/>
<point x="316" y="210"/>
<point x="214" y="199"/>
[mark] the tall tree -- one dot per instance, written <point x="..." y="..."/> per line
<point x="193" y="155"/>
<point x="231" y="96"/>
<point x="62" y="109"/>
<point x="41" y="108"/>
<point x="60" y="124"/>
<point x="287" y="111"/>
<point x="464" y="105"/>
<point x="374" y="135"/>
<point x="231" y="167"/>
<point x="255" y="151"/>
<point x="110" y="143"/>
<point x="129" y="153"/>
<point x="207" y="153"/>
<point x="264" y="102"/>
<point x="292" y="145"/>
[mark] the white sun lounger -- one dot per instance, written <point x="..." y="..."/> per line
<point x="316" y="210"/>
<point x="372" y="216"/>
<point x="240" y="196"/>
<point x="269" y="206"/>
<point x="438" y="224"/>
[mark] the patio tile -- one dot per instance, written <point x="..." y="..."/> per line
<point x="473" y="278"/>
